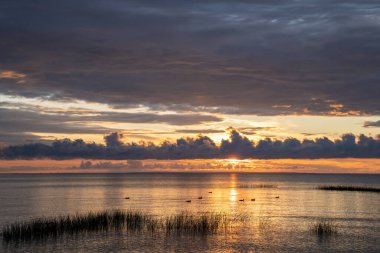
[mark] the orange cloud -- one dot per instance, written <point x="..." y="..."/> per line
<point x="11" y="74"/>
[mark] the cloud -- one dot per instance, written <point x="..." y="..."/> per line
<point x="114" y="139"/>
<point x="372" y="124"/>
<point x="199" y="131"/>
<point x="236" y="146"/>
<point x="243" y="130"/>
<point x="254" y="130"/>
<point x="18" y="125"/>
<point x="9" y="74"/>
<point x="110" y="165"/>
<point x="18" y="122"/>
<point x="200" y="147"/>
<point x="243" y="57"/>
<point x="312" y="134"/>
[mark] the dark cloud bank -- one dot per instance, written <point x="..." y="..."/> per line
<point x="231" y="56"/>
<point x="237" y="146"/>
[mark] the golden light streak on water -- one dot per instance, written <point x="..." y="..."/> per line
<point x="233" y="190"/>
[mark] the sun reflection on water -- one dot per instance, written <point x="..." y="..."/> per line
<point x="233" y="190"/>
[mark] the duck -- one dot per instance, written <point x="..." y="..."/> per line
<point x="200" y="197"/>
<point x="253" y="199"/>
<point x="126" y="198"/>
<point x="277" y="197"/>
<point x="188" y="201"/>
<point x="241" y="199"/>
<point x="209" y="192"/>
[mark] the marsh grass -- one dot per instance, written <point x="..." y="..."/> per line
<point x="118" y="220"/>
<point x="264" y="223"/>
<point x="259" y="186"/>
<point x="189" y="223"/>
<point x="348" y="188"/>
<point x="324" y="229"/>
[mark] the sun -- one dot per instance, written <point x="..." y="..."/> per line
<point x="233" y="160"/>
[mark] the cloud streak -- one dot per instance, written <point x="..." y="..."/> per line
<point x="18" y="122"/>
<point x="372" y="124"/>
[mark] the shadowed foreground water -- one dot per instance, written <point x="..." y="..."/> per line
<point x="268" y="224"/>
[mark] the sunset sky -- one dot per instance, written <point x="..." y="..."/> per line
<point x="161" y="70"/>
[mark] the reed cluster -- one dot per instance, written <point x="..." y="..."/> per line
<point x="348" y="188"/>
<point x="203" y="224"/>
<point x="324" y="229"/>
<point x="113" y="220"/>
<point x="259" y="186"/>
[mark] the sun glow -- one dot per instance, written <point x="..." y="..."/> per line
<point x="233" y="160"/>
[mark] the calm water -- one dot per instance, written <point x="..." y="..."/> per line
<point x="266" y="225"/>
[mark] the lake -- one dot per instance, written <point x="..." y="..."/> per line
<point x="268" y="224"/>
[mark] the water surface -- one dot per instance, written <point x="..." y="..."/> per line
<point x="268" y="224"/>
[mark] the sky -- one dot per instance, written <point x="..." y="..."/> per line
<point x="336" y="166"/>
<point x="162" y="70"/>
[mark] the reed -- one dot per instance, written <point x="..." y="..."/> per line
<point x="259" y="186"/>
<point x="348" y="188"/>
<point x="324" y="229"/>
<point x="118" y="220"/>
<point x="189" y="223"/>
